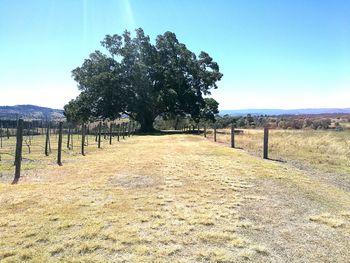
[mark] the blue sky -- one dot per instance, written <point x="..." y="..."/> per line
<point x="273" y="54"/>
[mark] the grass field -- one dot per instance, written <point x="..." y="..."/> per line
<point x="178" y="198"/>
<point x="33" y="152"/>
<point x="328" y="151"/>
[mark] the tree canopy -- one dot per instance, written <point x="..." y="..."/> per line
<point x="144" y="80"/>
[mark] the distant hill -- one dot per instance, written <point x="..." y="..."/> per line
<point x="244" y="112"/>
<point x="30" y="112"/>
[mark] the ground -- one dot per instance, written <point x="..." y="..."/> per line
<point x="180" y="198"/>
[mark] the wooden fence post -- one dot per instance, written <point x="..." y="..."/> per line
<point x="232" y="136"/>
<point x="123" y="129"/>
<point x="82" y="139"/>
<point x="59" y="146"/>
<point x="68" y="139"/>
<point x="198" y="131"/>
<point x="205" y="131"/>
<point x="47" y="139"/>
<point x="118" y="131"/>
<point x="128" y="128"/>
<point x="96" y="133"/>
<point x="110" y="133"/>
<point x="99" y="134"/>
<point x="214" y="134"/>
<point x="18" y="157"/>
<point x="266" y="142"/>
<point x="72" y="139"/>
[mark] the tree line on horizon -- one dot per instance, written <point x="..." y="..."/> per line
<point x="317" y="122"/>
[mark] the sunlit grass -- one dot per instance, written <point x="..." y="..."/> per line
<point x="33" y="151"/>
<point x="325" y="150"/>
<point x="129" y="201"/>
<point x="150" y="199"/>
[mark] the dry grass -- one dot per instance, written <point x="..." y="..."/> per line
<point x="34" y="155"/>
<point x="330" y="220"/>
<point x="326" y="150"/>
<point x="170" y="198"/>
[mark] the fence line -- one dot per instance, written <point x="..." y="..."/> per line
<point x="44" y="138"/>
<point x="38" y="139"/>
<point x="232" y="136"/>
<point x="232" y="141"/>
<point x="315" y="149"/>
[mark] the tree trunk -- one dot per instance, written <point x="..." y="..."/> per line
<point x="177" y="120"/>
<point x="146" y="124"/>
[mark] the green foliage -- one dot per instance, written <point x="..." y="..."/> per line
<point x="79" y="110"/>
<point x="225" y="121"/>
<point x="144" y="81"/>
<point x="282" y="122"/>
<point x="174" y="123"/>
<point x="209" y="110"/>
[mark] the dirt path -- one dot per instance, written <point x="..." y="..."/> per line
<point x="173" y="198"/>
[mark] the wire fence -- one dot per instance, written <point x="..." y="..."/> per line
<point x="327" y="150"/>
<point x="41" y="143"/>
<point x="25" y="145"/>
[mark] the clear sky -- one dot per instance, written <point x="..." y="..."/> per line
<point x="273" y="54"/>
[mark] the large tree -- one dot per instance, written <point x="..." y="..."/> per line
<point x="144" y="80"/>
